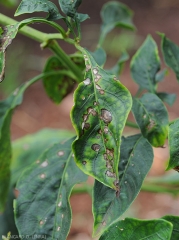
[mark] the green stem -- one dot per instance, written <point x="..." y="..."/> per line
<point x="146" y="187"/>
<point x="139" y="91"/>
<point x="132" y="124"/>
<point x="83" y="189"/>
<point x="27" y="31"/>
<point x="159" y="189"/>
<point x="53" y="45"/>
<point x="46" y="40"/>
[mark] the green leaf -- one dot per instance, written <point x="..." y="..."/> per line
<point x="101" y="107"/>
<point x="115" y="14"/>
<point x="60" y="85"/>
<point x="145" y="64"/>
<point x="117" y="69"/>
<point x="175" y="221"/>
<point x="7" y="222"/>
<point x="135" y="162"/>
<point x="152" y="118"/>
<point x="9" y="33"/>
<point x="6" y="109"/>
<point x="171" y="54"/>
<point x="99" y="56"/>
<point x="32" y="6"/>
<point x="135" y="229"/>
<point x="167" y="97"/>
<point x="69" y="7"/>
<point x="26" y="150"/>
<point x="173" y="139"/>
<point x="161" y="75"/>
<point x="54" y="174"/>
<point x="82" y="17"/>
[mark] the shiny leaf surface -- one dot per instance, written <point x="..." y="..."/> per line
<point x="134" y="229"/>
<point x="101" y="107"/>
<point x="135" y="162"/>
<point x="152" y="118"/>
<point x="54" y="173"/>
<point x="145" y="64"/>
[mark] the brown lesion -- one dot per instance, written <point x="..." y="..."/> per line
<point x="176" y="168"/>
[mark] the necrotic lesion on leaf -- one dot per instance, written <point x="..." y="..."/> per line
<point x="101" y="107"/>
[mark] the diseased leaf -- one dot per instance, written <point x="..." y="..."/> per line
<point x="135" y="162"/>
<point x="152" y="118"/>
<point x="9" y="33"/>
<point x="134" y="229"/>
<point x="69" y="7"/>
<point x="175" y="221"/>
<point x="101" y="108"/>
<point x="32" y="6"/>
<point x="99" y="56"/>
<point x="60" y="85"/>
<point x="161" y="75"/>
<point x="145" y="64"/>
<point x="117" y="69"/>
<point x="26" y="150"/>
<point x="171" y="54"/>
<point x="6" y="109"/>
<point x="115" y="14"/>
<point x="54" y="173"/>
<point x="173" y="139"/>
<point x="167" y="97"/>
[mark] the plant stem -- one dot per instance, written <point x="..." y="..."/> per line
<point x="53" y="45"/>
<point x="85" y="188"/>
<point x="159" y="189"/>
<point x="146" y="187"/>
<point x="132" y="124"/>
<point x="46" y="40"/>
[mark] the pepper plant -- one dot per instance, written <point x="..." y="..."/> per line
<point x="45" y="172"/>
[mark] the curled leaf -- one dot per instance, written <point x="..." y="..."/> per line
<point x="145" y="64"/>
<point x="32" y="6"/>
<point x="60" y="85"/>
<point x="115" y="14"/>
<point x="173" y="139"/>
<point x="152" y="117"/>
